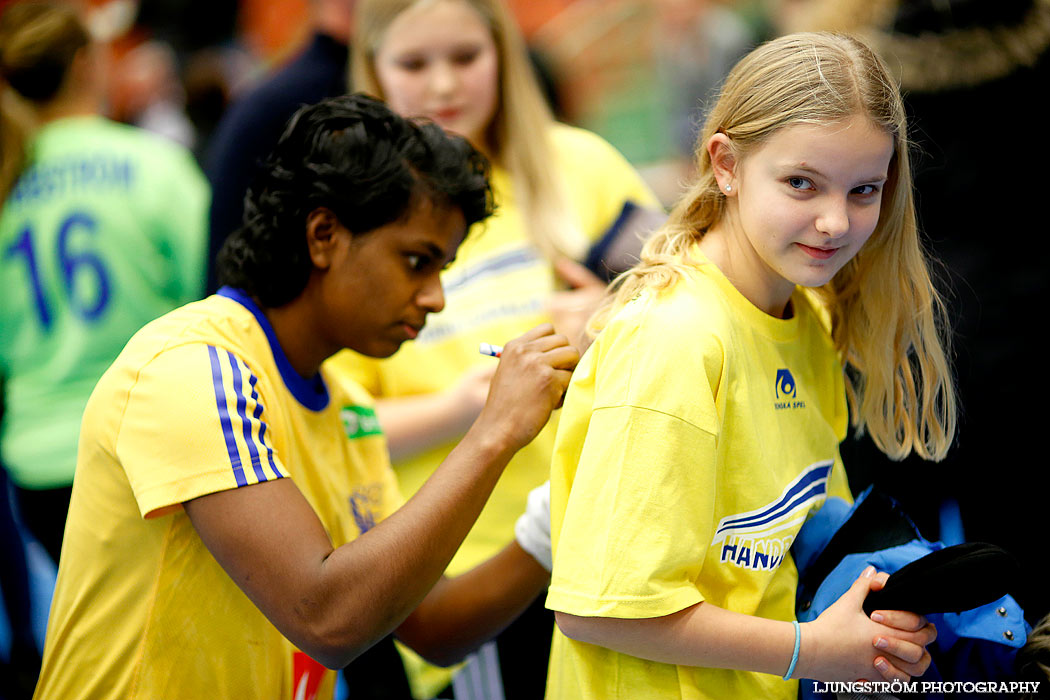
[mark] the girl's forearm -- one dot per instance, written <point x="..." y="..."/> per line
<point x="842" y="644"/>
<point x="702" y="635"/>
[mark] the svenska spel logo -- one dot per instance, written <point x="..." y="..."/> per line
<point x="786" y="391"/>
<point x="360" y="421"/>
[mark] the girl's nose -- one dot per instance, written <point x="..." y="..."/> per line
<point x="834" y="218"/>
<point x="443" y="78"/>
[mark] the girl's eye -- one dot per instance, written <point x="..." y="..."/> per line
<point x="464" y="58"/>
<point x="416" y="262"/>
<point x="799" y="183"/>
<point x="866" y="190"/>
<point x="411" y="64"/>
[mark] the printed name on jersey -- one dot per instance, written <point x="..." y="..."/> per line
<point x="74" y="175"/>
<point x="786" y="391"/>
<point x="748" y="540"/>
<point x="360" y="421"/>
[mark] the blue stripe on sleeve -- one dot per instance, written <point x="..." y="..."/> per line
<point x="246" y="425"/>
<point x="224" y="417"/>
<point x="253" y="380"/>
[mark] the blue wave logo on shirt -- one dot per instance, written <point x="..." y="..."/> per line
<point x="752" y="540"/>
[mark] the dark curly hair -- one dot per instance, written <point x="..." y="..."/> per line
<point x="369" y="166"/>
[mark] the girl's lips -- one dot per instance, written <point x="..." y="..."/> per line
<point x="446" y="114"/>
<point x="410" y="331"/>
<point x="818" y="253"/>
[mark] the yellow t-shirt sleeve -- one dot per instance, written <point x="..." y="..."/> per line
<point x="195" y="423"/>
<point x="638" y="518"/>
<point x="634" y="472"/>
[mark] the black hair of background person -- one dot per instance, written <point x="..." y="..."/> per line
<point x="980" y="178"/>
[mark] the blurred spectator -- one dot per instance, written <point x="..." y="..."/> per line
<point x="21" y="665"/>
<point x="697" y="42"/>
<point x="250" y="128"/>
<point x="639" y="72"/>
<point x="209" y="78"/>
<point x="146" y="92"/>
<point x="191" y="25"/>
<point x="173" y="64"/>
<point x="102" y="229"/>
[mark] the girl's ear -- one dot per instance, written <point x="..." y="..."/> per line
<point x="723" y="161"/>
<point x="322" y="228"/>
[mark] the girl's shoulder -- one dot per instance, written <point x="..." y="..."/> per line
<point x="690" y="312"/>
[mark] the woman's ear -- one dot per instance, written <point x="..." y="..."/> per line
<point x="322" y="236"/>
<point x="723" y="161"/>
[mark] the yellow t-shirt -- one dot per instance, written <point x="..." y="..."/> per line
<point x="697" y="435"/>
<point x="201" y="400"/>
<point x="494" y="291"/>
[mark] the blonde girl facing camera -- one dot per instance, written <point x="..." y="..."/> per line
<point x="702" y="426"/>
<point x="558" y="189"/>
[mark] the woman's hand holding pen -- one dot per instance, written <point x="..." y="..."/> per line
<point x="533" y="373"/>
<point x="844" y="643"/>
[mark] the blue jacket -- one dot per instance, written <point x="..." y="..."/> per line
<point x="975" y="645"/>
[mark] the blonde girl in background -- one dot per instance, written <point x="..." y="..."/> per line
<point x="703" y="424"/>
<point x="558" y="189"/>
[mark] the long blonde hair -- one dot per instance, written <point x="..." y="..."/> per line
<point x="38" y="41"/>
<point x="519" y="136"/>
<point x="888" y="321"/>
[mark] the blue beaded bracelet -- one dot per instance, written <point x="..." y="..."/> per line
<point x="794" y="654"/>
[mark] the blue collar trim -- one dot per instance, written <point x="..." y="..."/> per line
<point x="311" y="393"/>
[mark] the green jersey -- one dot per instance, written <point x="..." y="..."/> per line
<point x="105" y="230"/>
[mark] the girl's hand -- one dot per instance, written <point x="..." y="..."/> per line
<point x="843" y="644"/>
<point x="906" y="653"/>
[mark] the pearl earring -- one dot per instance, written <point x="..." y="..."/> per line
<point x="729" y="188"/>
